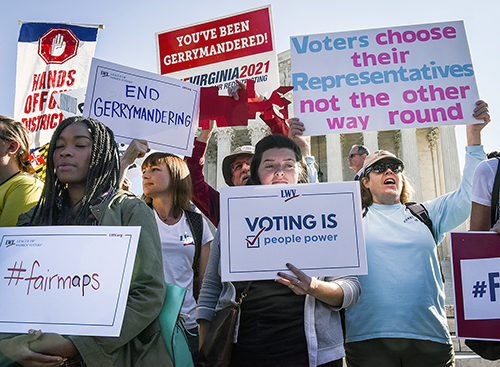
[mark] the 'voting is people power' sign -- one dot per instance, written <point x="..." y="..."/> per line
<point x="316" y="227"/>
<point x="383" y="79"/>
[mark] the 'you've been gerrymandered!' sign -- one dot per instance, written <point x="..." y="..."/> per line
<point x="383" y="79"/>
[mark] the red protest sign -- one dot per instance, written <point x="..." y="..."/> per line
<point x="215" y="41"/>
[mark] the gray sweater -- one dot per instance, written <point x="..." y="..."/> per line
<point x="322" y="325"/>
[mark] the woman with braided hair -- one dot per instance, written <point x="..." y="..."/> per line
<point x="18" y="191"/>
<point x="81" y="188"/>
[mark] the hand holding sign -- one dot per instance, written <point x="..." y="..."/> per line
<point x="300" y="283"/>
<point x="18" y="349"/>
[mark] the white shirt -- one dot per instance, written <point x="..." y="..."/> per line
<point x="177" y="246"/>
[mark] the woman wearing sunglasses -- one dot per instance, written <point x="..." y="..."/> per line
<point x="400" y="319"/>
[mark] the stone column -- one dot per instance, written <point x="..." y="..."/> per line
<point x="370" y="140"/>
<point x="210" y="167"/>
<point x="224" y="137"/>
<point x="409" y="155"/>
<point x="451" y="164"/>
<point x="334" y="158"/>
<point x="452" y="174"/>
<point x="257" y="130"/>
<point x="433" y="138"/>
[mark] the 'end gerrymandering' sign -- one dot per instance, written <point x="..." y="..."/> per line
<point x="60" y="278"/>
<point x="136" y="104"/>
<point x="316" y="227"/>
<point x="476" y="280"/>
<point x="383" y="79"/>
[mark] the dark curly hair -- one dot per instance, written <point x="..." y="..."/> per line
<point x="102" y="174"/>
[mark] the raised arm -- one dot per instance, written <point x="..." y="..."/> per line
<point x="205" y="197"/>
<point x="137" y="149"/>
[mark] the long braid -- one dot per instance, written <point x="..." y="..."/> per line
<point x="102" y="174"/>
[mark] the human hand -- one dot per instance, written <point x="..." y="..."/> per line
<point x="299" y="283"/>
<point x="58" y="45"/>
<point x="137" y="149"/>
<point x="204" y="136"/>
<point x="496" y="227"/>
<point x="295" y="133"/>
<point x="233" y="92"/>
<point x="18" y="349"/>
<point x="126" y="184"/>
<point x="481" y="112"/>
<point x="54" y="344"/>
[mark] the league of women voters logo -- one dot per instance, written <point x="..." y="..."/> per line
<point x="57" y="46"/>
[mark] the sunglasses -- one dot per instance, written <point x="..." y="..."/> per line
<point x="382" y="167"/>
<point x="352" y="155"/>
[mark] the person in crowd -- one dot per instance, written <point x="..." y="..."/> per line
<point x="356" y="158"/>
<point x="18" y="190"/>
<point x="293" y="321"/>
<point x="167" y="190"/>
<point x="400" y="320"/>
<point x="236" y="166"/>
<point x="81" y="188"/>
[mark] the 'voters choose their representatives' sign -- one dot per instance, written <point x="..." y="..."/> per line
<point x="136" y="104"/>
<point x="316" y="227"/>
<point x="383" y="79"/>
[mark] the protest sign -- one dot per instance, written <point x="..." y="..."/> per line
<point x="59" y="279"/>
<point x="218" y="51"/>
<point x="475" y="258"/>
<point x="383" y="79"/>
<point x="316" y="227"/>
<point x="137" y="104"/>
<point x="51" y="58"/>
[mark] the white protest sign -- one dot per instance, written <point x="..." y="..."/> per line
<point x="316" y="227"/>
<point x="383" y="79"/>
<point x="71" y="102"/>
<point x="218" y="51"/>
<point x="60" y="279"/>
<point x="51" y="58"/>
<point x="480" y="281"/>
<point x="137" y="104"/>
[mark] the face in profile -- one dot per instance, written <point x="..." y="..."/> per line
<point x="278" y="166"/>
<point x="72" y="154"/>
<point x="155" y="179"/>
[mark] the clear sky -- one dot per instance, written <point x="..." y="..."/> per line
<point x="130" y="26"/>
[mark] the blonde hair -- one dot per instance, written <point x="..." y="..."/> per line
<point x="12" y="130"/>
<point x="180" y="185"/>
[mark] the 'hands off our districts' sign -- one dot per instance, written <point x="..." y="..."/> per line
<point x="140" y="105"/>
<point x="383" y="79"/>
<point x="316" y="227"/>
<point x="60" y="278"/>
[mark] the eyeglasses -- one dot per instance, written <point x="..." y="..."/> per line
<point x="237" y="166"/>
<point x="352" y="155"/>
<point x="382" y="167"/>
